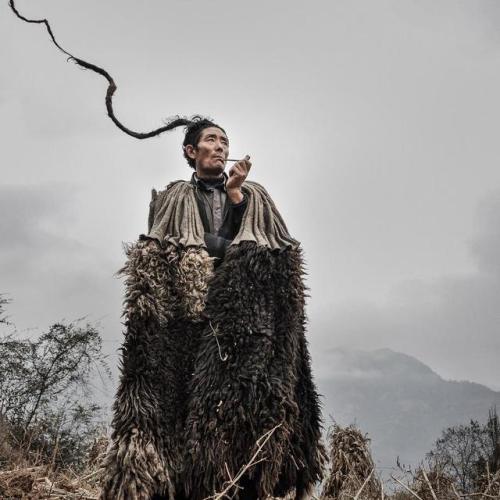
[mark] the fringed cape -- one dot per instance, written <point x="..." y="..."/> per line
<point x="212" y="360"/>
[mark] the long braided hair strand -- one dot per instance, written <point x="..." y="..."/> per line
<point x="193" y="125"/>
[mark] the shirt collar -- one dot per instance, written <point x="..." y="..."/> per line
<point x="209" y="185"/>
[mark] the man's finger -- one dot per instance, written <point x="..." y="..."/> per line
<point x="244" y="160"/>
<point x="245" y="164"/>
<point x="235" y="169"/>
<point x="240" y="168"/>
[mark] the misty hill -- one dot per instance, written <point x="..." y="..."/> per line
<point x="400" y="402"/>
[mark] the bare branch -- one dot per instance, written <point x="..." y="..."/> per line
<point x="363" y="485"/>
<point x="429" y="484"/>
<point x="406" y="487"/>
<point x="233" y="483"/>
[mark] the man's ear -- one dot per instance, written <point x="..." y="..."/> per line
<point x="190" y="151"/>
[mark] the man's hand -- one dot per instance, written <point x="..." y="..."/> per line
<point x="237" y="175"/>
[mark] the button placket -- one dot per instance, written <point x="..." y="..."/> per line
<point x="217" y="210"/>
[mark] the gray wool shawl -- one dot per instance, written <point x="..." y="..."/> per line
<point x="174" y="218"/>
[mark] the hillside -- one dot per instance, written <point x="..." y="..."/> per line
<point x="400" y="402"/>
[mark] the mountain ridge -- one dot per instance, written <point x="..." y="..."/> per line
<point x="399" y="401"/>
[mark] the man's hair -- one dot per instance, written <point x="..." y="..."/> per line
<point x="193" y="128"/>
<point x="193" y="133"/>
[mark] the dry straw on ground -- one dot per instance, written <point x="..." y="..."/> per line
<point x="352" y="471"/>
<point x="23" y="481"/>
<point x="351" y="476"/>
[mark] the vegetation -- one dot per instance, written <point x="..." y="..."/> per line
<point x="464" y="464"/>
<point x="52" y="437"/>
<point x="469" y="454"/>
<point x="3" y="302"/>
<point x="49" y="424"/>
<point x="351" y="465"/>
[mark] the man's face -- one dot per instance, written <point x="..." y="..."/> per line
<point x="211" y="152"/>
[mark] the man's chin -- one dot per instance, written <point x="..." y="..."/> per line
<point x="218" y="168"/>
<point x="213" y="170"/>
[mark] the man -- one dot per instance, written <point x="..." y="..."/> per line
<point x="216" y="393"/>
<point x="221" y="220"/>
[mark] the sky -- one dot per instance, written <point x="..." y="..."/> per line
<point x="374" y="126"/>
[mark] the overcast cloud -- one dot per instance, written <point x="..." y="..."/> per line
<point x="451" y="322"/>
<point x="374" y="125"/>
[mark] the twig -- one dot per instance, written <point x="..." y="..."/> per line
<point x="429" y="484"/>
<point x="50" y="484"/>
<point x="406" y="487"/>
<point x="218" y="345"/>
<point x="363" y="485"/>
<point x="490" y="482"/>
<point x="465" y="495"/>
<point x="455" y="491"/>
<point x="227" y="471"/>
<point x="54" y="454"/>
<point x="26" y="469"/>
<point x="88" y="476"/>
<point x="261" y="442"/>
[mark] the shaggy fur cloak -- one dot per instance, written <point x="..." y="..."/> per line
<point x="212" y="360"/>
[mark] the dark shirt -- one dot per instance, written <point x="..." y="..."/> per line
<point x="221" y="218"/>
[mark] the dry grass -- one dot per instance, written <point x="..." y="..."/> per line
<point x="434" y="484"/>
<point x="25" y="477"/>
<point x="351" y="476"/>
<point x="352" y="471"/>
